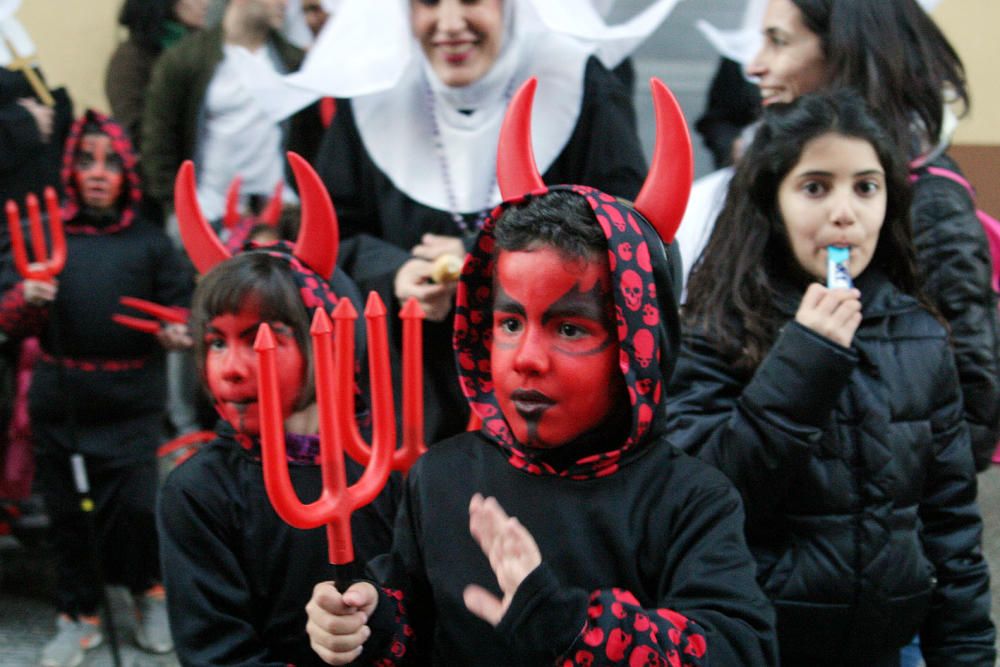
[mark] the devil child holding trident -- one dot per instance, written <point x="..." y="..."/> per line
<point x="237" y="576"/>
<point x="97" y="398"/>
<point x="568" y="530"/>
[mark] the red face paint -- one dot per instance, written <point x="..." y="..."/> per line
<point x="98" y="171"/>
<point x="555" y="350"/>
<point x="231" y="367"/>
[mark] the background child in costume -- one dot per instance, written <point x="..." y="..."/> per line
<point x="623" y="549"/>
<point x="99" y="389"/>
<point x="237" y="576"/>
<point x="837" y="412"/>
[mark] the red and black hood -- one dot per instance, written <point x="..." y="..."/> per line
<point x="648" y="329"/>
<point x="131" y="195"/>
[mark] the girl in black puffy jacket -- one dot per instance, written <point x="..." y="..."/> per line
<point x="835" y="410"/>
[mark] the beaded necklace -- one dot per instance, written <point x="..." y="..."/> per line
<point x="449" y="186"/>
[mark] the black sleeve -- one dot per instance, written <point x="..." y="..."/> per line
<point x="404" y="620"/>
<point x="758" y="432"/>
<point x="733" y="103"/>
<point x="957" y="630"/>
<point x="163" y="125"/>
<point x="953" y="256"/>
<point x="343" y="165"/>
<point x="19" y="319"/>
<point x="604" y="150"/>
<point x="19" y="135"/>
<point x="174" y="280"/>
<point x="709" y="610"/>
<point x="208" y="593"/>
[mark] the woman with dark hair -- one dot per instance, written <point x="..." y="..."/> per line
<point x="153" y="25"/>
<point x="893" y="53"/>
<point x="836" y="411"/>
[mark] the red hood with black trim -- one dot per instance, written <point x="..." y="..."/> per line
<point x="648" y="330"/>
<point x="131" y="195"/>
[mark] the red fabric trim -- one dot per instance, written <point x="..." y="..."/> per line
<point x="91" y="365"/>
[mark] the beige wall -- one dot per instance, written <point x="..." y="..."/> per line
<point x="971" y="26"/>
<point x="75" y="38"/>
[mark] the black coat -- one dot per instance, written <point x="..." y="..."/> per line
<point x="237" y="576"/>
<point x="856" y="471"/>
<point x="954" y="259"/>
<point x="27" y="162"/>
<point x="659" y="540"/>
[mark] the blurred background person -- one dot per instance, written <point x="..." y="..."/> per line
<point x="153" y="25"/>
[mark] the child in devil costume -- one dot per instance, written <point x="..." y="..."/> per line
<point x="99" y="389"/>
<point x="236" y="575"/>
<point x="623" y="550"/>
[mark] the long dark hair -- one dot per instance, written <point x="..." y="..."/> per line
<point x="144" y="20"/>
<point x="732" y="291"/>
<point x="253" y="279"/>
<point x="895" y="54"/>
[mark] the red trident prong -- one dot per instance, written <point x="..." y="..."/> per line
<point x="338" y="500"/>
<point x="47" y="267"/>
<point x="232" y="215"/>
<point x="380" y="377"/>
<point x="413" y="444"/>
<point x="272" y="212"/>
<point x="381" y="381"/>
<point x="163" y="314"/>
<point x="137" y="323"/>
<point x="175" y="314"/>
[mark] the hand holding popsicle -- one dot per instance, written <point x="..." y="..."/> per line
<point x="832" y="313"/>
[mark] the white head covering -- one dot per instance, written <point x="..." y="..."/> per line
<point x="13" y="32"/>
<point x="745" y="42"/>
<point x="295" y="29"/>
<point x="411" y="123"/>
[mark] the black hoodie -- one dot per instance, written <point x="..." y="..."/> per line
<point x="109" y="373"/>
<point x="643" y="556"/>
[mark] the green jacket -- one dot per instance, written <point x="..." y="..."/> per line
<point x="174" y="103"/>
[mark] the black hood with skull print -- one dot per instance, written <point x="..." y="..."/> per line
<point x="647" y="323"/>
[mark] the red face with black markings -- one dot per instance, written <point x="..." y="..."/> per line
<point x="555" y="347"/>
<point x="99" y="171"/>
<point x="231" y="367"/>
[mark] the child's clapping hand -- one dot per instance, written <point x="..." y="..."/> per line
<point x="512" y="552"/>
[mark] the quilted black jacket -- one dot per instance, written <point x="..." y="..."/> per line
<point x="954" y="258"/>
<point x="857" y="475"/>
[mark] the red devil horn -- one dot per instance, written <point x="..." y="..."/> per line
<point x="517" y="172"/>
<point x="272" y="212"/>
<point x="319" y="236"/>
<point x="232" y="215"/>
<point x="201" y="243"/>
<point x="664" y="194"/>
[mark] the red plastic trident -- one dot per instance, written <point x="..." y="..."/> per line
<point x="163" y="314"/>
<point x="412" y="314"/>
<point x="334" y="389"/>
<point x="46" y="267"/>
